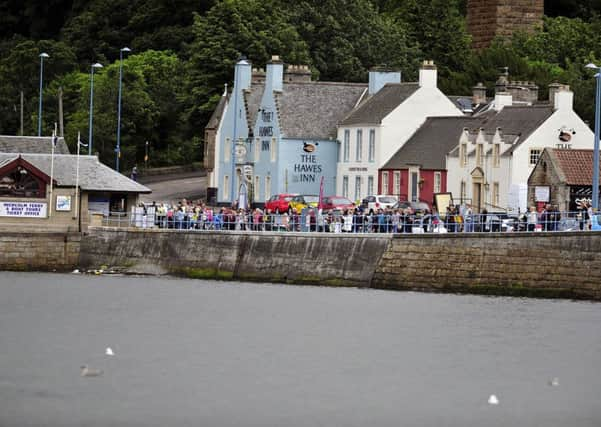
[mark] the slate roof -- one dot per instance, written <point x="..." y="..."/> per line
<point x="380" y="104"/>
<point x="576" y="166"/>
<point x="252" y="103"/>
<point x="31" y="144"/>
<point x="93" y="175"/>
<point x="516" y="123"/>
<point x="429" y="145"/>
<point x="312" y="110"/>
<point x="218" y="113"/>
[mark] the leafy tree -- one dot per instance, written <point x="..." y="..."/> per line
<point x="346" y="38"/>
<point x="256" y="29"/>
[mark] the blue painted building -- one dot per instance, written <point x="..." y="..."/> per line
<point x="276" y="133"/>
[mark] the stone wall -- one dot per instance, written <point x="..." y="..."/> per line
<point x="345" y="260"/>
<point x="535" y="264"/>
<point x="39" y="251"/>
<point x="532" y="264"/>
<point x="487" y="19"/>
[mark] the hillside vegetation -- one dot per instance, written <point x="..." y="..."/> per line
<point x="183" y="52"/>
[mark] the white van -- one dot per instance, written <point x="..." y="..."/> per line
<point x="373" y="203"/>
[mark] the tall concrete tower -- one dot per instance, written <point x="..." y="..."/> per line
<point x="487" y="19"/>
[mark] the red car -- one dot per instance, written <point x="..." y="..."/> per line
<point x="336" y="202"/>
<point x="279" y="202"/>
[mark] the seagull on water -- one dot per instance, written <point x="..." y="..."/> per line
<point x="109" y="351"/>
<point x="554" y="382"/>
<point x="86" y="371"/>
<point x="492" y="400"/>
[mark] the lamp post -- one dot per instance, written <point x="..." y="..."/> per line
<point x="96" y="65"/>
<point x="595" y="196"/>
<point x="42" y="56"/>
<point x="118" y="147"/>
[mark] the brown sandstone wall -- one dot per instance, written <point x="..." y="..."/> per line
<point x="39" y="251"/>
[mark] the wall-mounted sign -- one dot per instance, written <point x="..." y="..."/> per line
<point x="565" y="134"/>
<point x="24" y="209"/>
<point x="63" y="203"/>
<point x="542" y="193"/>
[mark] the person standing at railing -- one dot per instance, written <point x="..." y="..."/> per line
<point x="468" y="220"/>
<point x="532" y="219"/>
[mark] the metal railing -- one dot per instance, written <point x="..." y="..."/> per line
<point x="338" y="222"/>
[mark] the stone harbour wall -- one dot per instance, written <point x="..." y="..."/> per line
<point x="40" y="251"/>
<point x="527" y="264"/>
<point x="321" y="259"/>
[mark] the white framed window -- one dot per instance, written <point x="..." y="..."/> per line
<point x="437" y="182"/>
<point x="257" y="189"/>
<point x="496" y="155"/>
<point x="370" y="185"/>
<point x="397" y="183"/>
<point x="272" y="150"/>
<point x="384" y="183"/>
<point x="357" y="187"/>
<point x="495" y="193"/>
<point x="372" y="146"/>
<point x="346" y="146"/>
<point x="479" y="151"/>
<point x="226" y="187"/>
<point x="534" y="155"/>
<point x="463" y="155"/>
<point x="345" y="186"/>
<point x="267" y="187"/>
<point x="359" y="147"/>
<point x="257" y="149"/>
<point x="227" y="150"/>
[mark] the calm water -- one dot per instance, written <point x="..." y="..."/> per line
<point x="200" y="353"/>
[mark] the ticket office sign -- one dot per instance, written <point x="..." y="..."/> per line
<point x="24" y="209"/>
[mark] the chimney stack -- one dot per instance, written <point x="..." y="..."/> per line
<point x="274" y="78"/>
<point x="564" y="98"/>
<point x="428" y="74"/>
<point x="479" y="94"/>
<point x="380" y="76"/>
<point x="297" y="73"/>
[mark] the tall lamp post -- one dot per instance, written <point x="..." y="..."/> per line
<point x="96" y="65"/>
<point x="118" y="147"/>
<point x="42" y="56"/>
<point x="595" y="196"/>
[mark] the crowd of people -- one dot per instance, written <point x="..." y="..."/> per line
<point x="195" y="215"/>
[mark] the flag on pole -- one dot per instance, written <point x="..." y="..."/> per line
<point x="320" y="193"/>
<point x="79" y="144"/>
<point x="54" y="141"/>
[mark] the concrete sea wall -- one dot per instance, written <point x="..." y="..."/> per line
<point x="39" y="251"/>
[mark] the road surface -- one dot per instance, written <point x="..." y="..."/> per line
<point x="175" y="188"/>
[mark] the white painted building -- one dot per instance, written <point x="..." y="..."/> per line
<point x="491" y="163"/>
<point x="386" y="118"/>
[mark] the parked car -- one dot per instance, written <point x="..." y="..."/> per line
<point x="303" y="201"/>
<point x="336" y="202"/>
<point x="279" y="202"/>
<point x="418" y="207"/>
<point x="372" y="203"/>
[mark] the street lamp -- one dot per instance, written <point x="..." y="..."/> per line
<point x="596" y="144"/>
<point x="118" y="147"/>
<point x="96" y="65"/>
<point x="42" y="56"/>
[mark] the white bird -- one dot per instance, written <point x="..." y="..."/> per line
<point x="554" y="382"/>
<point x="492" y="400"/>
<point x="76" y="271"/>
<point x="109" y="351"/>
<point x="86" y="371"/>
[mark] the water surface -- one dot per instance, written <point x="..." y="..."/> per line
<point x="203" y="353"/>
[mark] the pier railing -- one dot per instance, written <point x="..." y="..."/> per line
<point x="339" y="222"/>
